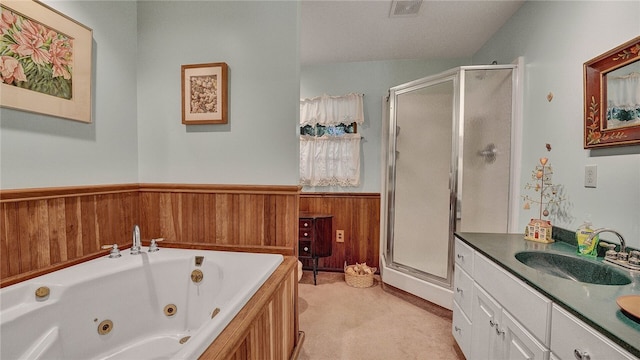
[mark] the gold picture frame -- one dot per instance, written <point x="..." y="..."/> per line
<point x="204" y="93"/>
<point x="46" y="61"/>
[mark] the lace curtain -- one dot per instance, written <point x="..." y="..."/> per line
<point x="331" y="110"/>
<point x="623" y="97"/>
<point x="330" y="160"/>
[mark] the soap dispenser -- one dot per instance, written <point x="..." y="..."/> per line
<point x="587" y="246"/>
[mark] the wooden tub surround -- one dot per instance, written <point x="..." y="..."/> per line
<point x="44" y="230"/>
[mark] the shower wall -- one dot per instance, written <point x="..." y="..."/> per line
<point x="486" y="151"/>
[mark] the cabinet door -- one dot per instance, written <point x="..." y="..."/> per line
<point x="485" y="340"/>
<point x="463" y="291"/>
<point x="461" y="330"/>
<point x="518" y="342"/>
<point x="464" y="256"/>
<point x="572" y="336"/>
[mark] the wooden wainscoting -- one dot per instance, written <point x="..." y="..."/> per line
<point x="43" y="230"/>
<point x="358" y="214"/>
<point x="234" y="216"/>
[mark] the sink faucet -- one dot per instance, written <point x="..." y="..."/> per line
<point x="623" y="246"/>
<point x="135" y="248"/>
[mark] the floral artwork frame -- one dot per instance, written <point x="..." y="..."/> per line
<point x="45" y="61"/>
<point x="597" y="134"/>
<point x="204" y="93"/>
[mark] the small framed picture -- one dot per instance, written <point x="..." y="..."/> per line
<point x="204" y="94"/>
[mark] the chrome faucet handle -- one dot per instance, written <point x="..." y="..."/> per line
<point x="623" y="245"/>
<point x="114" y="253"/>
<point x="611" y="254"/>
<point x="153" y="247"/>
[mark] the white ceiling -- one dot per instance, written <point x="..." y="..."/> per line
<point x="355" y="30"/>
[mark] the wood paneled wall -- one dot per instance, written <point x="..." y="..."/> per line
<point x="358" y="214"/>
<point x="255" y="216"/>
<point x="44" y="229"/>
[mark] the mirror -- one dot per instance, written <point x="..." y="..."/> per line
<point x="612" y="97"/>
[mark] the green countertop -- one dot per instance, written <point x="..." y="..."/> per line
<point x="594" y="304"/>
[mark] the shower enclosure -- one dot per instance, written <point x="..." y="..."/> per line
<point x="448" y="145"/>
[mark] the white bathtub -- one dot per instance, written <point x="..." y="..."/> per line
<point x="131" y="292"/>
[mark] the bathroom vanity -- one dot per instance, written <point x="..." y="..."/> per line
<point x="506" y="309"/>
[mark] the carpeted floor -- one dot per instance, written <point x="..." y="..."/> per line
<point x="345" y="323"/>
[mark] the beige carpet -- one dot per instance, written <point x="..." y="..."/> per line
<point x="345" y="323"/>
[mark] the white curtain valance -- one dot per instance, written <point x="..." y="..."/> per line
<point x="330" y="160"/>
<point x="332" y="110"/>
<point x="624" y="91"/>
<point x="623" y="100"/>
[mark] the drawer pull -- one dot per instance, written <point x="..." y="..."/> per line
<point x="460" y="256"/>
<point x="459" y="290"/>
<point x="306" y="234"/>
<point x="581" y="355"/>
<point x="457" y="329"/>
<point x="498" y="331"/>
<point x="306" y="224"/>
<point x="305" y="248"/>
<point x="491" y="323"/>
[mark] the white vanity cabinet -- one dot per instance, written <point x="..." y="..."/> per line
<point x="508" y="319"/>
<point x="463" y="297"/>
<point x="498" y="335"/>
<point x="573" y="339"/>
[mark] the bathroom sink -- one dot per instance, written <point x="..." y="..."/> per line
<point x="573" y="268"/>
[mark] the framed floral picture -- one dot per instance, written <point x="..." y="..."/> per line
<point x="204" y="94"/>
<point x="45" y="61"/>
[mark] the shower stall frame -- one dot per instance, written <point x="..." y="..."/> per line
<point x="438" y="289"/>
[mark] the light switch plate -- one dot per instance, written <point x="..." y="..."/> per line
<point x="590" y="176"/>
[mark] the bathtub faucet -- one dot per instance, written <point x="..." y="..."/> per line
<point x="135" y="248"/>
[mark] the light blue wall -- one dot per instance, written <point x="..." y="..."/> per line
<point x="259" y="42"/>
<point x="136" y="134"/>
<point x="372" y="78"/>
<point x="43" y="151"/>
<point x="556" y="38"/>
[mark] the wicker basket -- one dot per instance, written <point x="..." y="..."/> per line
<point x="358" y="281"/>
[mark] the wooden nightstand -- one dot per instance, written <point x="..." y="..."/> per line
<point x="314" y="238"/>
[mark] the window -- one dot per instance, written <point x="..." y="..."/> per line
<point x="329" y="142"/>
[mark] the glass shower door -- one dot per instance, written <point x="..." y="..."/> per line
<point x="423" y="128"/>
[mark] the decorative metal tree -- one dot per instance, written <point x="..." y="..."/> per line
<point x="547" y="195"/>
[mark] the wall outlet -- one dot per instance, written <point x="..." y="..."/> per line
<point x="590" y="176"/>
<point x="340" y="236"/>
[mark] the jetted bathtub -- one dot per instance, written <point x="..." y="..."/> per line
<point x="159" y="305"/>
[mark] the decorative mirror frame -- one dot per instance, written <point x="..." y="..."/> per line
<point x="596" y="134"/>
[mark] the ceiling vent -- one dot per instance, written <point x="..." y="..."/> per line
<point x="405" y="8"/>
